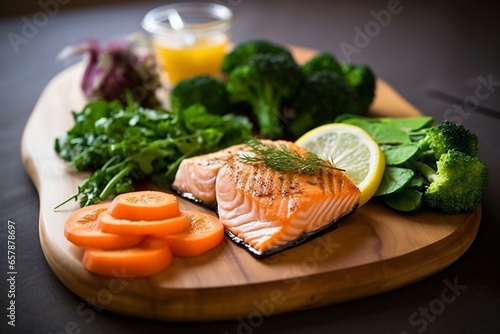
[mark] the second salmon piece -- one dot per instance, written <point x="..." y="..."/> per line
<point x="195" y="178"/>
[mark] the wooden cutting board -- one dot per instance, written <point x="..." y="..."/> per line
<point x="373" y="250"/>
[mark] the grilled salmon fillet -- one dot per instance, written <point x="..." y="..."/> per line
<point x="265" y="210"/>
<point x="270" y="210"/>
<point x="195" y="178"/>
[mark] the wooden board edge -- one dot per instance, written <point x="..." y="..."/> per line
<point x="289" y="296"/>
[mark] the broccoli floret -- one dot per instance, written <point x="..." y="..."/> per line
<point x="323" y="61"/>
<point x="243" y="51"/>
<point x="363" y="82"/>
<point x="446" y="136"/>
<point x="458" y="184"/>
<point x="205" y="90"/>
<point x="265" y="81"/>
<point x="322" y="97"/>
<point x="460" y="180"/>
<point x="359" y="78"/>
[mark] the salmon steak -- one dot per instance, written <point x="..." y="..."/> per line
<point x="262" y="209"/>
<point x="195" y="178"/>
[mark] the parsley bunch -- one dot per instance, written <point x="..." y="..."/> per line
<point x="123" y="144"/>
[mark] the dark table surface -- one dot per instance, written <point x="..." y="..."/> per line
<point x="443" y="58"/>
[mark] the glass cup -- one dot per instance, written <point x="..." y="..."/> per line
<point x="189" y="38"/>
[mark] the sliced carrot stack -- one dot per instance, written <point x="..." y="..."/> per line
<point x="139" y="233"/>
<point x="205" y="233"/>
<point x="110" y="224"/>
<point x="82" y="229"/>
<point x="151" y="256"/>
<point x="144" y="205"/>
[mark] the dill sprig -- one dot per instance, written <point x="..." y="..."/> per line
<point x="282" y="159"/>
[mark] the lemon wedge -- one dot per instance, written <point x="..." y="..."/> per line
<point x="350" y="148"/>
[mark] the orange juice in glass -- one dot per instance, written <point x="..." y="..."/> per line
<point x="189" y="38"/>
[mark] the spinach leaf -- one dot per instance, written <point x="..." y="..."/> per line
<point x="409" y="123"/>
<point x="408" y="200"/>
<point x="399" y="154"/>
<point x="395" y="179"/>
<point x="417" y="183"/>
<point x="381" y="132"/>
<point x="387" y="134"/>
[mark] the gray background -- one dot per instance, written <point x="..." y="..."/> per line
<point x="435" y="54"/>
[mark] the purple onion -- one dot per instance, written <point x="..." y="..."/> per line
<point x="117" y="68"/>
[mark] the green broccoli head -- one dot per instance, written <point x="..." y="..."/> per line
<point x="243" y="51"/>
<point x="363" y="81"/>
<point x="322" y="97"/>
<point x="448" y="135"/>
<point x="205" y="90"/>
<point x="265" y="81"/>
<point x="323" y="61"/>
<point x="458" y="184"/>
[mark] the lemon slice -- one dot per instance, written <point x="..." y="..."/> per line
<point x="349" y="147"/>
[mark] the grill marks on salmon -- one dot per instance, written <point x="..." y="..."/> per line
<point x="262" y="209"/>
<point x="195" y="177"/>
<point x="270" y="211"/>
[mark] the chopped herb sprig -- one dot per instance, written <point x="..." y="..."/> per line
<point x="283" y="159"/>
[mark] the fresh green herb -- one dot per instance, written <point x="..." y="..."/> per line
<point x="435" y="165"/>
<point x="121" y="145"/>
<point x="282" y="159"/>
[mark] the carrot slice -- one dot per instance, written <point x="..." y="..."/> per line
<point x="151" y="256"/>
<point x="82" y="229"/>
<point x="110" y="224"/>
<point x="144" y="205"/>
<point x="204" y="234"/>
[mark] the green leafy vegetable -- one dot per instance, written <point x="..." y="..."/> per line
<point x="388" y="134"/>
<point x="382" y="131"/>
<point x="409" y="123"/>
<point x="435" y="165"/>
<point x="395" y="179"/>
<point x="121" y="145"/>
<point x="399" y="154"/>
<point x="408" y="200"/>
